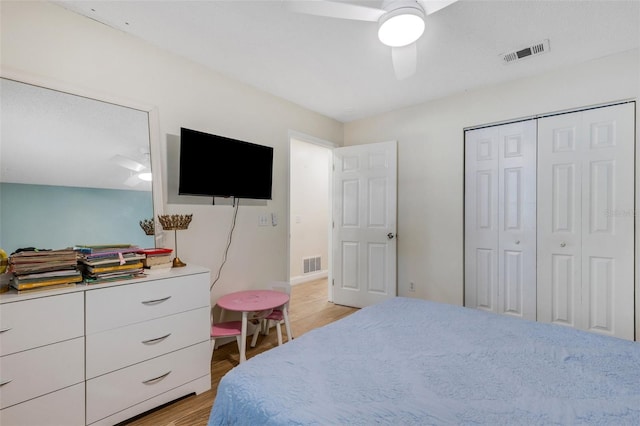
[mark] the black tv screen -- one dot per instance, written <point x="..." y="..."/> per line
<point x="217" y="166"/>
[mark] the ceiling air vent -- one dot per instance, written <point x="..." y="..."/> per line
<point x="534" y="49"/>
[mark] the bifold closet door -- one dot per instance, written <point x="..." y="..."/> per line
<point x="586" y="220"/>
<point x="500" y="219"/>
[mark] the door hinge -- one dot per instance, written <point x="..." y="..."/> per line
<point x="333" y="282"/>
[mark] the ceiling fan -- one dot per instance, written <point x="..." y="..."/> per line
<point x="400" y="23"/>
<point x="140" y="171"/>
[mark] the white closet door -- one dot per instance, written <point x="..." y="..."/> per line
<point x="559" y="220"/>
<point x="481" y="219"/>
<point x="586" y="228"/>
<point x="500" y="220"/>
<point x="517" y="220"/>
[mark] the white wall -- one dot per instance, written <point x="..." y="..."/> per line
<point x="309" y="191"/>
<point x="430" y="159"/>
<point x="47" y="41"/>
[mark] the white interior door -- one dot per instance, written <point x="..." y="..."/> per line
<point x="481" y="219"/>
<point x="500" y="219"/>
<point x="364" y="224"/>
<point x="586" y="211"/>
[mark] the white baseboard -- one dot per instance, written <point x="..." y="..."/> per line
<point x="309" y="277"/>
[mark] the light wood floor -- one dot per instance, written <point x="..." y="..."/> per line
<point x="309" y="309"/>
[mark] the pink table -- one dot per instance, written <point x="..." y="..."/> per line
<point x="254" y="301"/>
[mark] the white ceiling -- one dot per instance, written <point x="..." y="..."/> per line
<point x="339" y="68"/>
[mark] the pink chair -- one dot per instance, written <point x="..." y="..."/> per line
<point x="276" y="315"/>
<point x="225" y="329"/>
<point x="228" y="329"/>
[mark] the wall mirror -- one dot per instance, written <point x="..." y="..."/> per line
<point x="72" y="169"/>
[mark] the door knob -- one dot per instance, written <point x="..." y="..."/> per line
<point x="562" y="244"/>
<point x="517" y="241"/>
<point x="390" y="235"/>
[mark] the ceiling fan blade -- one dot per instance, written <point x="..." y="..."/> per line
<point x="404" y="60"/>
<point x="128" y="163"/>
<point x="334" y="9"/>
<point x="132" y="180"/>
<point x="431" y="6"/>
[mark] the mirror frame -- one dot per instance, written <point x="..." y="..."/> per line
<point x="157" y="191"/>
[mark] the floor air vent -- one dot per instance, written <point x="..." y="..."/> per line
<point x="534" y="49"/>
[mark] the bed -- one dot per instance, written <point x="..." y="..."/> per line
<point x="413" y="362"/>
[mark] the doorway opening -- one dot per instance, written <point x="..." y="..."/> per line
<point x="310" y="192"/>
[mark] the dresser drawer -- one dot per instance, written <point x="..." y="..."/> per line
<point x="33" y="373"/>
<point x="136" y="302"/>
<point x="37" y="322"/>
<point x="61" y="408"/>
<point x="124" y="388"/>
<point x="120" y="347"/>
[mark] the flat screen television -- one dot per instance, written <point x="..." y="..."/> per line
<point x="217" y="166"/>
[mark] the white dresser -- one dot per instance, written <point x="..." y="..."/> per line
<point x="100" y="354"/>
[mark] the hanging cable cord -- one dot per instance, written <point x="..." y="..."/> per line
<point x="226" y="250"/>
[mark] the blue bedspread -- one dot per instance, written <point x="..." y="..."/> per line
<point x="413" y="362"/>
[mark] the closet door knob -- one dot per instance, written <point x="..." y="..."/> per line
<point x="517" y="241"/>
<point x="563" y="244"/>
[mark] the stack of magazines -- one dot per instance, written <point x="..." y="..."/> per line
<point x="35" y="269"/>
<point x="109" y="262"/>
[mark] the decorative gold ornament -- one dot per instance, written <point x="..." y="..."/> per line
<point x="175" y="222"/>
<point x="148" y="226"/>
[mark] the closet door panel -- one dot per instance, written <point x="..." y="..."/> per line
<point x="517" y="219"/>
<point x="485" y="278"/>
<point x="586" y="220"/>
<point x="500" y="219"/>
<point x="481" y="219"/>
<point x="563" y="301"/>
<point x="608" y="220"/>
<point x="559" y="219"/>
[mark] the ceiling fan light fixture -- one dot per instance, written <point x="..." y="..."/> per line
<point x="401" y="27"/>
<point x="145" y="176"/>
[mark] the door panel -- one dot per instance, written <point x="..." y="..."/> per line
<point x="600" y="293"/>
<point x="364" y="227"/>
<point x="517" y="219"/>
<point x="563" y="289"/>
<point x="500" y="219"/>
<point x="481" y="219"/>
<point x="513" y="282"/>
<point x="608" y="231"/>
<point x="349" y="265"/>
<point x="559" y="220"/>
<point x="484" y="278"/>
<point x="377" y="260"/>
<point x="585" y="220"/>
<point x="563" y="198"/>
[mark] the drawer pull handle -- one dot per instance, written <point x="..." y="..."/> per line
<point x="5" y="382"/>
<point x="5" y="329"/>
<point x="157" y="379"/>
<point x="156" y="301"/>
<point x="156" y="340"/>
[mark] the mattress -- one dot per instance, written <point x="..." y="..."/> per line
<point x="414" y="362"/>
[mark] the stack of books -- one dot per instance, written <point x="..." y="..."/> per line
<point x="106" y="263"/>
<point x="44" y="269"/>
<point x="156" y="260"/>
